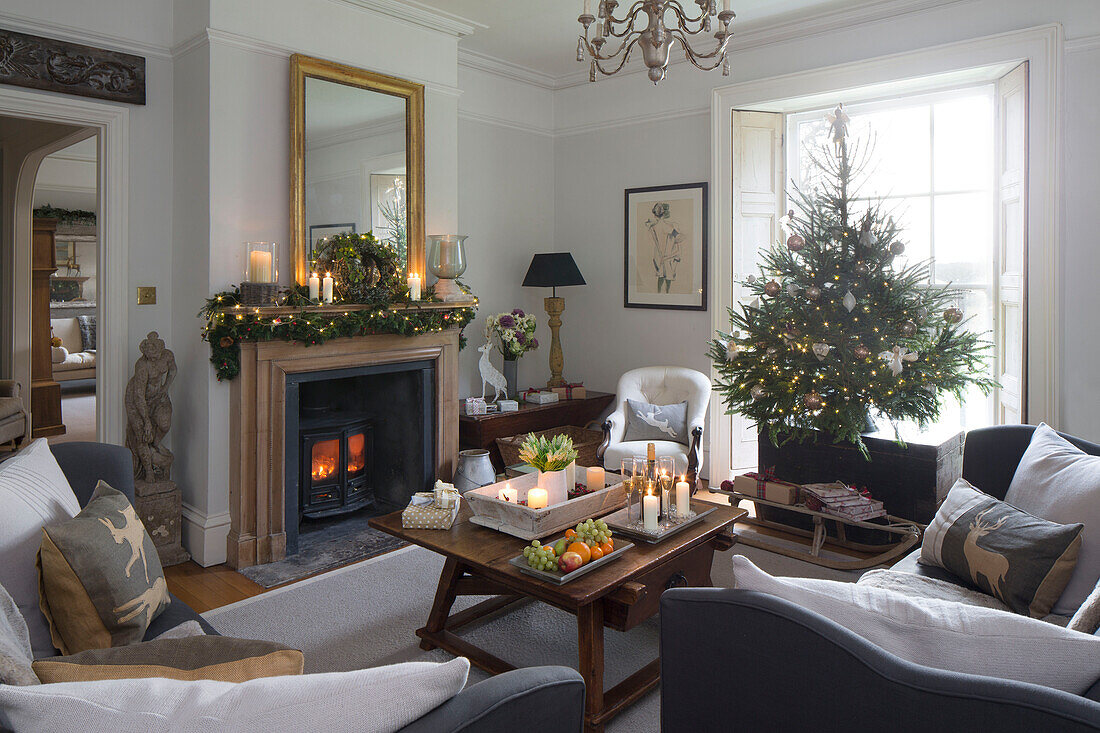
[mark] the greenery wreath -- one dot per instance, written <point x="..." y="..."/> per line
<point x="365" y="270"/>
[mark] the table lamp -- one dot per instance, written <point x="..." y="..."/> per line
<point x="554" y="270"/>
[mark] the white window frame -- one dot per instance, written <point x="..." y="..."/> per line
<point x="981" y="59"/>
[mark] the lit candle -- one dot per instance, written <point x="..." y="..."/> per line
<point x="683" y="498"/>
<point x="508" y="494"/>
<point x="327" y="287"/>
<point x="596" y="478"/>
<point x="537" y="498"/>
<point x="650" y="506"/>
<point x="414" y="286"/>
<point x="259" y="267"/>
<point x="314" y="287"/>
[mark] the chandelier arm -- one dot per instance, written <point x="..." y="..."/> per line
<point x="596" y="55"/>
<point x="634" y="9"/>
<point x="681" y="15"/>
<point x="622" y="62"/>
<point x="632" y="19"/>
<point x="694" y="57"/>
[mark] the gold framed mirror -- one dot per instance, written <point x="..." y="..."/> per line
<point x="357" y="158"/>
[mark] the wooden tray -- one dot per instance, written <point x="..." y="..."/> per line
<point x="560" y="579"/>
<point x="532" y="524"/>
<point x="619" y="522"/>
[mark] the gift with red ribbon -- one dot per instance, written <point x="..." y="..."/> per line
<point x="764" y="485"/>
<point x="570" y="391"/>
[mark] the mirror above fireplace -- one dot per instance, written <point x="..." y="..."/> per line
<point x="357" y="155"/>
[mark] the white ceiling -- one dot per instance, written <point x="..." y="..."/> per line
<point x="542" y="34"/>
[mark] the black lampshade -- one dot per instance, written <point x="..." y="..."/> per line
<point x="551" y="270"/>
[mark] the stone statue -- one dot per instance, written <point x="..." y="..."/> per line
<point x="148" y="418"/>
<point x="149" y="410"/>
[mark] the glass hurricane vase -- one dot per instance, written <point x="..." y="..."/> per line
<point x="447" y="261"/>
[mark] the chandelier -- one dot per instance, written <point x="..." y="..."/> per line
<point x="656" y="39"/>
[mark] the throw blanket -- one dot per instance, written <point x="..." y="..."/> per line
<point x="924" y="587"/>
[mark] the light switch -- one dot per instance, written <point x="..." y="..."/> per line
<point x="147" y="295"/>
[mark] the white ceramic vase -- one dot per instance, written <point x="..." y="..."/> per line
<point x="555" y="484"/>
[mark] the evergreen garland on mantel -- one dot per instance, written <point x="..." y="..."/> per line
<point x="228" y="323"/>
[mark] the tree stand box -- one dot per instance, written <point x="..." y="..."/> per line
<point x="908" y="479"/>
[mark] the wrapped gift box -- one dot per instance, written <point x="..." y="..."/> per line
<point x="423" y="513"/>
<point x="540" y="398"/>
<point x="508" y="406"/>
<point x="475" y="406"/>
<point x="769" y="489"/>
<point x="570" y="392"/>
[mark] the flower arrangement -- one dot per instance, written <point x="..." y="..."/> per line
<point x="515" y="333"/>
<point x="548" y="454"/>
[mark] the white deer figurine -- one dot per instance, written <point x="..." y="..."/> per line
<point x="993" y="565"/>
<point x="490" y="375"/>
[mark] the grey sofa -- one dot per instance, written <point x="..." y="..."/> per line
<point x="549" y="699"/>
<point x="737" y="659"/>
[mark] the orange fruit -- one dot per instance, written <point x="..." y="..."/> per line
<point x="581" y="549"/>
<point x="607" y="547"/>
<point x="597" y="553"/>
<point x="570" y="533"/>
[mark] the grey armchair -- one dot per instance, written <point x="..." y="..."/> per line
<point x="13" y="416"/>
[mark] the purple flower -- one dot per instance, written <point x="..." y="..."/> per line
<point x="534" y="343"/>
<point x="518" y="313"/>
<point x="521" y="337"/>
<point x="506" y="321"/>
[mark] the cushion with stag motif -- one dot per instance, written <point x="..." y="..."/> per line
<point x="1018" y="558"/>
<point x="656" y="422"/>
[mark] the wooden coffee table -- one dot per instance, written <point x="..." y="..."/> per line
<point x="619" y="595"/>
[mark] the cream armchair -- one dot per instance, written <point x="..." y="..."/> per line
<point x="658" y="386"/>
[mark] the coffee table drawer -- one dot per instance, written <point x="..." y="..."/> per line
<point x="688" y="569"/>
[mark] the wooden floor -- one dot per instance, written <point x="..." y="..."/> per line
<point x="204" y="589"/>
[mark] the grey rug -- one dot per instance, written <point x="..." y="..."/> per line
<point x="323" y="545"/>
<point x="365" y="615"/>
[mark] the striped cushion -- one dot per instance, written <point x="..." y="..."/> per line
<point x="33" y="493"/>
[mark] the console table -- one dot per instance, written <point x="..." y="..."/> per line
<point x="482" y="431"/>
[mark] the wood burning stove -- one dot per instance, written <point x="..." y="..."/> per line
<point x="335" y="476"/>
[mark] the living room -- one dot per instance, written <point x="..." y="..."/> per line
<point x="270" y="284"/>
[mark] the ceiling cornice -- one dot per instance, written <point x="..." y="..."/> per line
<point x="506" y="69"/>
<point x="76" y="34"/>
<point x="418" y="14"/>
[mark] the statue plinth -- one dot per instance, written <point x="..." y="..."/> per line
<point x="159" y="505"/>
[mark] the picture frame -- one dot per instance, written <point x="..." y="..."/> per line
<point x="665" y="247"/>
<point x="317" y="232"/>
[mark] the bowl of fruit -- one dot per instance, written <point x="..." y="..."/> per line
<point x="582" y="549"/>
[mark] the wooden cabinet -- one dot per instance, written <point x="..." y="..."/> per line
<point x="45" y="392"/>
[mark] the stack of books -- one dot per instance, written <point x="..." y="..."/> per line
<point x="843" y="501"/>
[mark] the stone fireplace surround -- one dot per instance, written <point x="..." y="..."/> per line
<point x="257" y="482"/>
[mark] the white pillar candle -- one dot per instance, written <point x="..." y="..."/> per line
<point x="726" y="5"/>
<point x="314" y="287"/>
<point x="508" y="494"/>
<point x="595" y="478"/>
<point x="414" y="286"/>
<point x="537" y="498"/>
<point x="327" y="287"/>
<point x="587" y="7"/>
<point x="259" y="267"/>
<point x="651" y="504"/>
<point x="683" y="498"/>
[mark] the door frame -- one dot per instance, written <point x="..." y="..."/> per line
<point x="913" y="72"/>
<point x="111" y="125"/>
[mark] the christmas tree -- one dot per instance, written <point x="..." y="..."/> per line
<point x="835" y="332"/>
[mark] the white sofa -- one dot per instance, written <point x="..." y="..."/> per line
<point x="70" y="360"/>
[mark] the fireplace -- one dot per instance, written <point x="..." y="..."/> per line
<point x="358" y="439"/>
<point x="335" y="473"/>
<point x="288" y="389"/>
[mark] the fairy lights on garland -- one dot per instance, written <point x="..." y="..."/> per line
<point x="369" y="286"/>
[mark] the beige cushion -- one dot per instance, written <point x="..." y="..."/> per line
<point x="192" y="658"/>
<point x="101" y="582"/>
<point x="942" y="634"/>
<point x="33" y="493"/>
<point x="379" y="700"/>
<point x="1058" y="481"/>
<point x="76" y="360"/>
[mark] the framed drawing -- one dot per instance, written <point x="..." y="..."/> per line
<point x="317" y="232"/>
<point x="665" y="249"/>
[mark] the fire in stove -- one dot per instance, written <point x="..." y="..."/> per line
<point x="335" y="468"/>
<point x="357" y="453"/>
<point x="326" y="459"/>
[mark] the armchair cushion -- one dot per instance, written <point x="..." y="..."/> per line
<point x="656" y="422"/>
<point x="1059" y="482"/>
<point x="942" y="634"/>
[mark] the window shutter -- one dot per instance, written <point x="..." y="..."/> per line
<point x="1010" y="283"/>
<point x="757" y="207"/>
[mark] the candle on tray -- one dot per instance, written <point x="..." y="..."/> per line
<point x="683" y="498"/>
<point x="327" y="287"/>
<point x="259" y="267"/>
<point x="508" y="494"/>
<point x="596" y="478"/>
<point x="651" y="504"/>
<point x="537" y="498"/>
<point x="414" y="286"/>
<point x="314" y="287"/>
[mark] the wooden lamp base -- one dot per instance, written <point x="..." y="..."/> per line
<point x="554" y="308"/>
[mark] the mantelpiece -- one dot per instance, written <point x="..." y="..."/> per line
<point x="258" y="423"/>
